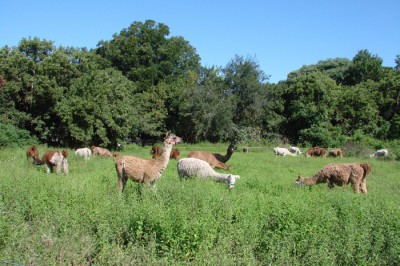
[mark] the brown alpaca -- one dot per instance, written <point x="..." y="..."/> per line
<point x="57" y="159"/>
<point x="156" y="151"/>
<point x="336" y="153"/>
<point x="341" y="174"/>
<point x="33" y="153"/>
<point x="101" y="152"/>
<point x="209" y="158"/>
<point x="315" y="152"/>
<point x="116" y="155"/>
<point x="227" y="156"/>
<point x="144" y="170"/>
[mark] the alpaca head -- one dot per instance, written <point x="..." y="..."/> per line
<point x="232" y="148"/>
<point x="299" y="181"/>
<point x="172" y="139"/>
<point x="232" y="180"/>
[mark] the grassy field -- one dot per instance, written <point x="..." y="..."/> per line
<point x="48" y="219"/>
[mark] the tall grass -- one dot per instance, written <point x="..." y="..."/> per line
<point x="48" y="219"/>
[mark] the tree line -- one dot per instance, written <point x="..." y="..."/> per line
<point x="144" y="82"/>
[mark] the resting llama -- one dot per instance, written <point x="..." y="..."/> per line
<point x="52" y="159"/>
<point x="340" y="174"/>
<point x="227" y="156"/>
<point x="282" y="152"/>
<point x="295" y="150"/>
<point x="83" y="152"/>
<point x="380" y="153"/>
<point x="144" y="170"/>
<point x="193" y="167"/>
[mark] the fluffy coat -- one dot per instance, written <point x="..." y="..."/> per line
<point x="380" y="153"/>
<point x="341" y="175"/>
<point x="86" y="153"/>
<point x="193" y="167"/>
<point x="282" y="152"/>
<point x="101" y="152"/>
<point x="57" y="159"/>
<point x="209" y="158"/>
<point x="336" y="153"/>
<point x="33" y="153"/>
<point x="143" y="170"/>
<point x="315" y="152"/>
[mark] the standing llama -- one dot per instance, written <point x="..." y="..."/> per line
<point x="340" y="174"/>
<point x="380" y="153"/>
<point x="336" y="153"/>
<point x="52" y="159"/>
<point x="83" y="152"/>
<point x="224" y="158"/>
<point x="193" y="167"/>
<point x="143" y="170"/>
<point x="315" y="152"/>
<point x="101" y="152"/>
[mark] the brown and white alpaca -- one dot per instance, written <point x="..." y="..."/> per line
<point x="101" y="152"/>
<point x="57" y="159"/>
<point x="336" y="153"/>
<point x="33" y="153"/>
<point x="143" y="170"/>
<point x="156" y="151"/>
<point x="315" y="152"/>
<point x="209" y="158"/>
<point x="340" y="174"/>
<point x="229" y="151"/>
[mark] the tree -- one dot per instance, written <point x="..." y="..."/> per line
<point x="99" y="109"/>
<point x="364" y="66"/>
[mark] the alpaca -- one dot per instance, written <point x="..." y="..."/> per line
<point x="156" y="151"/>
<point x="340" y="174"/>
<point x="54" y="158"/>
<point x="295" y="150"/>
<point x="246" y="149"/>
<point x="315" y="151"/>
<point x="33" y="153"/>
<point x="283" y="152"/>
<point x="336" y="153"/>
<point x="193" y="167"/>
<point x="101" y="152"/>
<point x="209" y="158"/>
<point x="144" y="170"/>
<point x="380" y="153"/>
<point x="116" y="155"/>
<point x="83" y="152"/>
<point x="227" y="156"/>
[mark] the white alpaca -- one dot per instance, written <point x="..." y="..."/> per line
<point x="84" y="152"/>
<point x="193" y="167"/>
<point x="380" y="153"/>
<point x="282" y="152"/>
<point x="295" y="150"/>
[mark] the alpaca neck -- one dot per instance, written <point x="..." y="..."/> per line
<point x="228" y="155"/>
<point x="310" y="180"/>
<point x="165" y="154"/>
<point x="220" y="177"/>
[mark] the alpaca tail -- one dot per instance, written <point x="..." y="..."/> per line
<point x="367" y="168"/>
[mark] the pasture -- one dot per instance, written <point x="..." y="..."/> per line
<point x="81" y="219"/>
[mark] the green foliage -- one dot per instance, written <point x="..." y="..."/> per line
<point x="364" y="66"/>
<point x="11" y="136"/>
<point x="265" y="219"/>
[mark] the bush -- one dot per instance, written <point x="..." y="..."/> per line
<point x="11" y="136"/>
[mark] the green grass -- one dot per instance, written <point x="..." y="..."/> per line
<point x="48" y="219"/>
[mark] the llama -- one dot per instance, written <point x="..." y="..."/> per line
<point x="142" y="170"/>
<point x="54" y="158"/>
<point x="193" y="167"/>
<point x="33" y="153"/>
<point x="294" y="150"/>
<point x="83" y="152"/>
<point x="116" y="155"/>
<point x="282" y="152"/>
<point x="315" y="152"/>
<point x="224" y="158"/>
<point x="246" y="149"/>
<point x="340" y="174"/>
<point x="156" y="151"/>
<point x="101" y="152"/>
<point x="380" y="153"/>
<point x="209" y="158"/>
<point x="336" y="153"/>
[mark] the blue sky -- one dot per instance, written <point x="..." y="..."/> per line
<point x="281" y="36"/>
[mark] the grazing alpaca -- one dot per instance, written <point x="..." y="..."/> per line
<point x="33" y="153"/>
<point x="227" y="156"/>
<point x="341" y="175"/>
<point x="282" y="152"/>
<point x="380" y="153"/>
<point x="295" y="150"/>
<point x="315" y="152"/>
<point x="209" y="158"/>
<point x="83" y="152"/>
<point x="193" y="167"/>
<point x="246" y="149"/>
<point x="336" y="153"/>
<point x="144" y="170"/>
<point x="54" y="158"/>
<point x="156" y="151"/>
<point x="101" y="152"/>
<point x="116" y="155"/>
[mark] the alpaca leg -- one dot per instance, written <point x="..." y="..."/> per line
<point x="58" y="167"/>
<point x="121" y="182"/>
<point x="356" y="187"/>
<point x="65" y="167"/>
<point x="48" y="168"/>
<point x="364" y="187"/>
